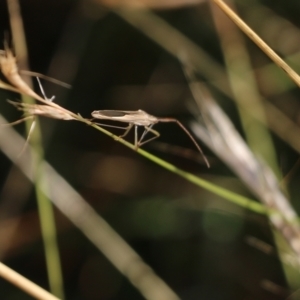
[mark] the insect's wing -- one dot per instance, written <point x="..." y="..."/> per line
<point x="110" y="113"/>
<point x="119" y="115"/>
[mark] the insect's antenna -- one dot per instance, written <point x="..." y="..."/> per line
<point x="43" y="92"/>
<point x="189" y="134"/>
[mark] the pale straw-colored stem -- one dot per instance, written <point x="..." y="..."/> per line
<point x="25" y="284"/>
<point x="258" y="41"/>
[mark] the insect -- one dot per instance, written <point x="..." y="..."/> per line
<point x="140" y="118"/>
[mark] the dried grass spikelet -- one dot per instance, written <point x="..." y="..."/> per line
<point x="8" y="66"/>
<point x="31" y="110"/>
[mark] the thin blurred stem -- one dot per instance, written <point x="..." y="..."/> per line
<point x="44" y="205"/>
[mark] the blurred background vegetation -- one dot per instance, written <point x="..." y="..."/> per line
<point x="202" y="246"/>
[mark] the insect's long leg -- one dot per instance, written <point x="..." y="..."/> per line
<point x="43" y="92"/>
<point x="190" y="136"/>
<point x="136" y="146"/>
<point x="112" y="126"/>
<point x="148" y="129"/>
<point x="127" y="130"/>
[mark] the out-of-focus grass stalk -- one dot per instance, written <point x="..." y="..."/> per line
<point x="46" y="214"/>
<point x="47" y="219"/>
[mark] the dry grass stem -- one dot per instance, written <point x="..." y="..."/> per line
<point x="24" y="284"/>
<point x="258" y="41"/>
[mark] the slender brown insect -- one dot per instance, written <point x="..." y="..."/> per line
<point x="140" y="118"/>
